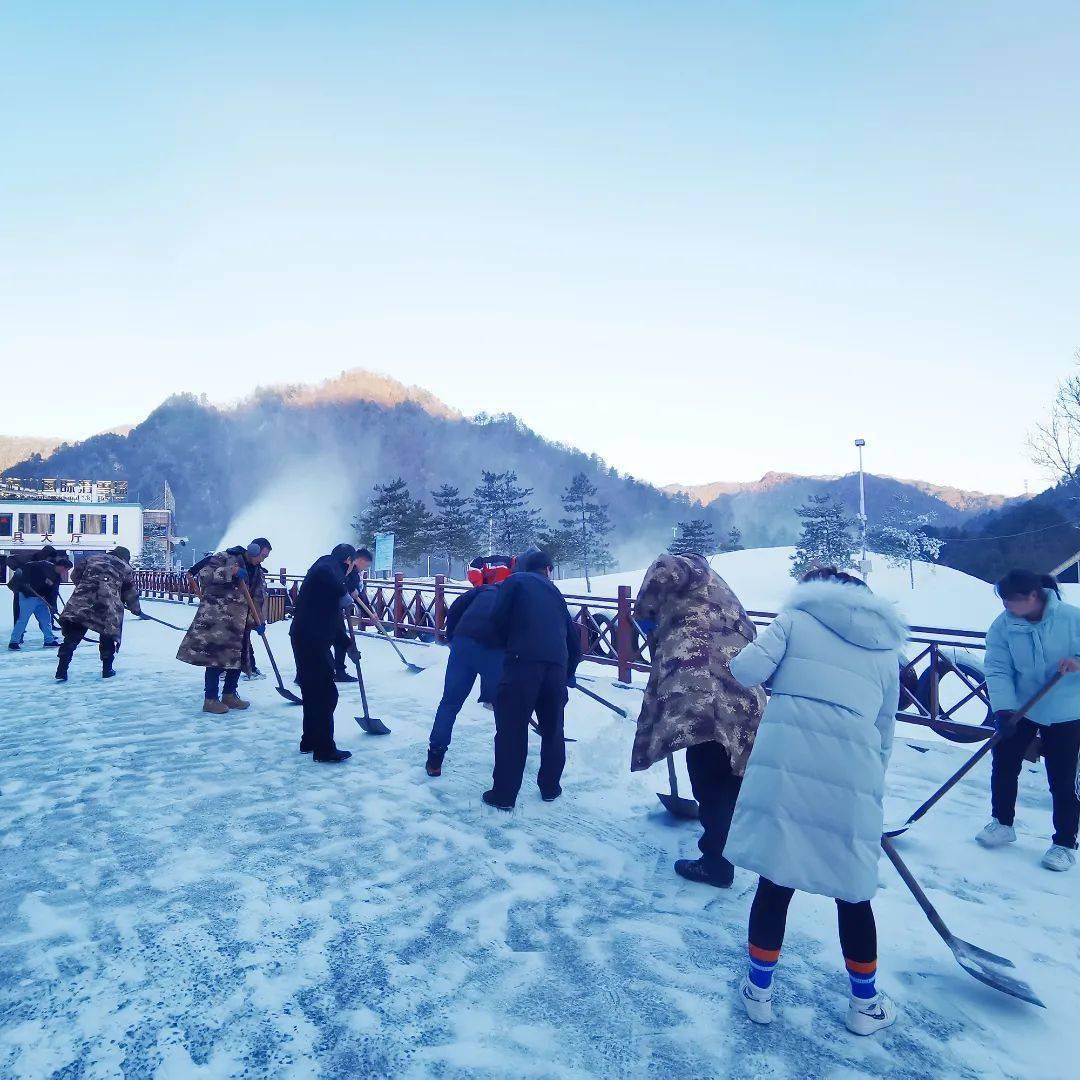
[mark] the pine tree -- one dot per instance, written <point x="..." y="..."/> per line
<point x="559" y="545"/>
<point x="903" y="538"/>
<point x="734" y="539"/>
<point x="586" y="526"/>
<point x="826" y="538"/>
<point x="394" y="510"/>
<point x="502" y="515"/>
<point x="453" y="532"/>
<point x="694" y="537"/>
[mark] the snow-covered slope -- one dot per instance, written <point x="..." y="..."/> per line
<point x="183" y="895"/>
<point x="762" y="578"/>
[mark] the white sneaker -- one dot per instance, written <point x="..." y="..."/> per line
<point x="867" y="1015"/>
<point x="996" y="835"/>
<point x="1059" y="858"/>
<point x="756" y="1002"/>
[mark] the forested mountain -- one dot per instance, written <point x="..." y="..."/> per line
<point x="764" y="510"/>
<point x="16" y="448"/>
<point x="349" y="434"/>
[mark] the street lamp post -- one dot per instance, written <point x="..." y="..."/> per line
<point x="864" y="565"/>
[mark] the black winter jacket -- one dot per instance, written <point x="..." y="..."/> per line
<point x="532" y="622"/>
<point x="40" y="577"/>
<point x="470" y="614"/>
<point x="317" y="616"/>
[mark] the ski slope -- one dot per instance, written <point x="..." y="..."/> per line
<point x="183" y="895"/>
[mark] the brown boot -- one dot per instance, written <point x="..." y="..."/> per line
<point x="213" y="705"/>
<point x="234" y="701"/>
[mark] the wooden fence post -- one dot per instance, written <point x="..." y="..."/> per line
<point x="440" y="607"/>
<point x="399" y="605"/>
<point x="624" y="635"/>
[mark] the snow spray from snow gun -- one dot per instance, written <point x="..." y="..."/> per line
<point x="898" y="830"/>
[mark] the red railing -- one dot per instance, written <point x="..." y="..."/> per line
<point x="415" y="610"/>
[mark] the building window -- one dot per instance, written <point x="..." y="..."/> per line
<point x="71" y="524"/>
<point x="5" y="524"/>
<point x="115" y="524"/>
<point x="52" y="523"/>
<point x="22" y="523"/>
<point x="93" y="524"/>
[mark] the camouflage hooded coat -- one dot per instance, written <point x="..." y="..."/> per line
<point x="220" y="633"/>
<point x="691" y="697"/>
<point x="104" y="586"/>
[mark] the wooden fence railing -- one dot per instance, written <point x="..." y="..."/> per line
<point x="938" y="682"/>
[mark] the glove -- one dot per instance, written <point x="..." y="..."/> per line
<point x="646" y="626"/>
<point x="242" y="574"/>
<point x="353" y="653"/>
<point x="261" y="629"/>
<point x="1005" y="721"/>
<point x="571" y="679"/>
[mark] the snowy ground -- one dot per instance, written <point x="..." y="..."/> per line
<point x="184" y="895"/>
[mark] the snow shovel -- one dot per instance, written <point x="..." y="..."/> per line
<point x="989" y="968"/>
<point x="414" y="669"/>
<point x="287" y="694"/>
<point x="89" y="637"/>
<point x="162" y="622"/>
<point x="603" y="701"/>
<point x="898" y="830"/>
<point x="674" y="803"/>
<point x="371" y="724"/>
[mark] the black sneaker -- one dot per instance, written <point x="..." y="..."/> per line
<point x="304" y="749"/>
<point x="14" y="646"/>
<point x="343" y="676"/>
<point x="434" y="762"/>
<point x="51" y="645"/>
<point x="697" y="870"/>
<point x="107" y="671"/>
<point x="551" y="796"/>
<point x="489" y="798"/>
<point x="61" y="673"/>
<point x="331" y="757"/>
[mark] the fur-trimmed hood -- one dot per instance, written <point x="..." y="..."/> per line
<point x="852" y="612"/>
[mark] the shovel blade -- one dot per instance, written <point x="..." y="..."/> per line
<point x="372" y="725"/>
<point x="993" y="971"/>
<point x="897" y="830"/>
<point x="677" y="805"/>
<point x="288" y="696"/>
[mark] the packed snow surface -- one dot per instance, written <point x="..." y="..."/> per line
<point x="185" y="895"/>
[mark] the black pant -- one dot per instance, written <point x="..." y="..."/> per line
<point x="341" y="650"/>
<point x="212" y="681"/>
<point x="74" y="633"/>
<point x="768" y="920"/>
<point x="716" y="788"/>
<point x="1061" y="747"/>
<point x="528" y="686"/>
<point x="315" y="674"/>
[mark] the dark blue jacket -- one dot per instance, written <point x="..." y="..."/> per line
<point x="470" y="614"/>
<point x="317" y="615"/>
<point x="43" y="577"/>
<point x="532" y="622"/>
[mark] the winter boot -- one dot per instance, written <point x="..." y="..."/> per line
<point x="756" y="1002"/>
<point x="434" y="762"/>
<point x="234" y="701"/>
<point x="51" y="645"/>
<point x="212" y="705"/>
<point x="332" y="757"/>
<point x="341" y="675"/>
<point x="867" y="1015"/>
<point x="489" y="798"/>
<point x="62" y="665"/>
<point x="720" y="877"/>
<point x="996" y="835"/>
<point x="14" y="646"/>
<point x="107" y="669"/>
<point x="1059" y="858"/>
<point x="551" y="796"/>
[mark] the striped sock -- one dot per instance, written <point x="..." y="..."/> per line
<point x="762" y="965"/>
<point x="862" y="978"/>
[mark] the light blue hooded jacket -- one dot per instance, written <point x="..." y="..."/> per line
<point x="1022" y="656"/>
<point x="809" y="814"/>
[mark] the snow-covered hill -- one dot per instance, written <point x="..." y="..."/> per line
<point x="761" y="577"/>
<point x="183" y="895"/>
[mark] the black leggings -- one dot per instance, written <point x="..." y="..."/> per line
<point x="768" y="919"/>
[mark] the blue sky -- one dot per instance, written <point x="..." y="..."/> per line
<point x="704" y="240"/>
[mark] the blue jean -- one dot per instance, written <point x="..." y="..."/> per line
<point x="36" y="607"/>
<point x="468" y="659"/>
<point x="213" y="678"/>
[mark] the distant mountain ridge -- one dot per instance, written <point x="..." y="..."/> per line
<point x="16" y="448"/>
<point x="764" y="510"/>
